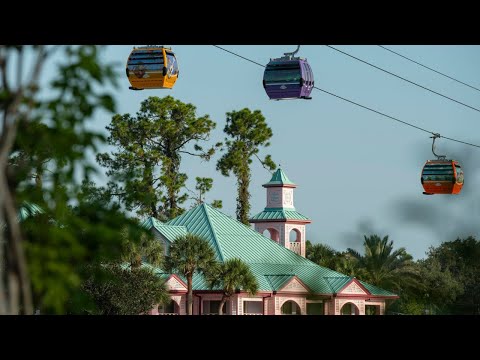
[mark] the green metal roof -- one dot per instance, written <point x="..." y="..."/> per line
<point x="311" y="274"/>
<point x="375" y="290"/>
<point x="278" y="281"/>
<point x="279" y="178"/>
<point x="278" y="214"/>
<point x="197" y="221"/>
<point x="272" y="264"/>
<point x="170" y="232"/>
<point x="337" y="283"/>
<point x="150" y="222"/>
<point x="28" y="209"/>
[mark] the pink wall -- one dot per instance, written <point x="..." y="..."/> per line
<point x="272" y="305"/>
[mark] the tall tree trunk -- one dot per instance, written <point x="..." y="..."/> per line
<point x="38" y="177"/>
<point x="11" y="121"/>
<point x="13" y="292"/>
<point x="4" y="308"/>
<point x="17" y="250"/>
<point x="222" y="303"/>
<point x="189" y="295"/>
<point x="148" y="178"/>
<point x="243" y="199"/>
<point x="171" y="170"/>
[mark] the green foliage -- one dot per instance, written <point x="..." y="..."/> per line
<point x="230" y="276"/>
<point x="385" y="267"/>
<point x="50" y="147"/>
<point x="324" y="255"/>
<point x="125" y="284"/>
<point x="204" y="185"/>
<point x="435" y="285"/>
<point x="58" y="248"/>
<point x="147" y="249"/>
<point x="145" y="167"/>
<point x="247" y="131"/>
<point x="217" y="204"/>
<point x="442" y="288"/>
<point x="412" y="307"/>
<point x="189" y="254"/>
<point x="124" y="291"/>
<point x="438" y="290"/>
<point x="347" y="264"/>
<point x="321" y="254"/>
<point x="461" y="259"/>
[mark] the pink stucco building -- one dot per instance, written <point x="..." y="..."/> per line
<point x="289" y="283"/>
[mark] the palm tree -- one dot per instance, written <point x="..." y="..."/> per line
<point x="134" y="289"/>
<point x="321" y="254"/>
<point x="384" y="267"/>
<point x="347" y="264"/>
<point x="147" y="249"/>
<point x="232" y="275"/>
<point x="189" y="254"/>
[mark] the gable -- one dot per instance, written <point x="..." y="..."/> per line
<point x="273" y="265"/>
<point x="276" y="282"/>
<point x="230" y="238"/>
<point x="169" y="233"/>
<point x="294" y="285"/>
<point x="162" y="239"/>
<point x="173" y="283"/>
<point x="354" y="288"/>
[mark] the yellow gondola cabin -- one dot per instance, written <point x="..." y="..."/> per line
<point x="152" y="67"/>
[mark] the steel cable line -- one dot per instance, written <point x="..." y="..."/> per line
<point x="402" y="78"/>
<point x="429" y="68"/>
<point x="357" y="104"/>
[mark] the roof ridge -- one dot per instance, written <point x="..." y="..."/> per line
<point x="280" y="285"/>
<point x="280" y="178"/>
<point x="163" y="224"/>
<point x="147" y="223"/>
<point x="205" y="209"/>
<point x="330" y="286"/>
<point x="269" y="282"/>
<point x="230" y="217"/>
<point x="268" y="214"/>
<point x="292" y="274"/>
<point x="366" y="285"/>
<point x="335" y="291"/>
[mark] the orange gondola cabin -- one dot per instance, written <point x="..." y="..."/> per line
<point x="442" y="176"/>
<point x="152" y="67"/>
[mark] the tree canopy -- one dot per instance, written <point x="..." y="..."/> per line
<point x="145" y="165"/>
<point x="246" y="132"/>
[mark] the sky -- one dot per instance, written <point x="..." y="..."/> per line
<point x="358" y="173"/>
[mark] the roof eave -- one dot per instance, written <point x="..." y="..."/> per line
<point x="279" y="220"/>
<point x="267" y="185"/>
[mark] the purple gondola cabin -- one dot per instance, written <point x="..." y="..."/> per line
<point x="288" y="78"/>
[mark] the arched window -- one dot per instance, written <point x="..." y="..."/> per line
<point x="272" y="233"/>
<point x="349" y="309"/>
<point x="290" y="308"/>
<point x="295" y="235"/>
<point x="171" y="308"/>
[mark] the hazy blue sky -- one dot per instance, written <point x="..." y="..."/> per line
<point x="357" y="172"/>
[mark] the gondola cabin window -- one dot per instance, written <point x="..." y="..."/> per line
<point x="283" y="73"/>
<point x="438" y="172"/>
<point x="152" y="68"/>
<point x="172" y="64"/>
<point x="459" y="171"/>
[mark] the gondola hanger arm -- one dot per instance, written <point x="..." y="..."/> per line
<point x="291" y="54"/>
<point x="434" y="137"/>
